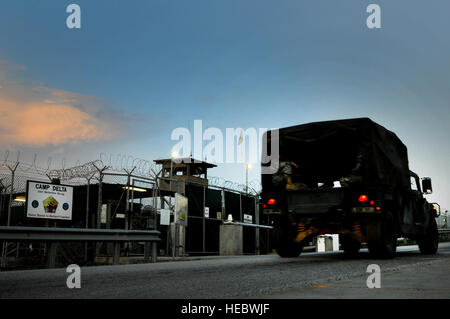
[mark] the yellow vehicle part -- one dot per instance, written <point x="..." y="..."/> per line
<point x="304" y="232"/>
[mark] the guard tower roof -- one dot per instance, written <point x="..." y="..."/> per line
<point x="187" y="161"/>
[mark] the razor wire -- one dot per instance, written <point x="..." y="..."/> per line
<point x="80" y="171"/>
<point x="78" y="174"/>
<point x="121" y="162"/>
<point x="253" y="187"/>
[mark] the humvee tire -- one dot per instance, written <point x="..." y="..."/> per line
<point x="350" y="246"/>
<point x="428" y="244"/>
<point x="381" y="237"/>
<point x="283" y="236"/>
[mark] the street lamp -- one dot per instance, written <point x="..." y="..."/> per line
<point x="247" y="167"/>
<point x="173" y="154"/>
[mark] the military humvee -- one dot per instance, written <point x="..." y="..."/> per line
<point x="351" y="177"/>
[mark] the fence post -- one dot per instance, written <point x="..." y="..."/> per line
<point x="223" y="204"/>
<point x="4" y="256"/>
<point x="8" y="222"/>
<point x="52" y="255"/>
<point x="204" y="221"/>
<point x="11" y="192"/>
<point x="257" y="234"/>
<point x="87" y="218"/>
<point x="240" y="207"/>
<point x="100" y="193"/>
<point x="147" y="251"/>
<point x="154" y="251"/>
<point x="116" y="257"/>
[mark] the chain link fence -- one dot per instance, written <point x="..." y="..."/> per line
<point x="106" y="180"/>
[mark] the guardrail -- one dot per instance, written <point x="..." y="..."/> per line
<point x="248" y="225"/>
<point x="444" y="234"/>
<point x="54" y="235"/>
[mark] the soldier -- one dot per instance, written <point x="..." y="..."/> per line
<point x="283" y="177"/>
<point x="355" y="176"/>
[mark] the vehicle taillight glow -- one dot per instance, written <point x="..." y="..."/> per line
<point x="271" y="201"/>
<point x="362" y="198"/>
<point x="378" y="208"/>
<point x="264" y="205"/>
<point x="372" y="202"/>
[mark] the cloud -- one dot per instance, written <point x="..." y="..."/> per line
<point x="41" y="116"/>
<point x="8" y="71"/>
<point x="41" y="124"/>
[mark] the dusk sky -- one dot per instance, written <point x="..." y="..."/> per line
<point x="136" y="70"/>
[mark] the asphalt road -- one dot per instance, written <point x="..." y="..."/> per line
<point x="312" y="275"/>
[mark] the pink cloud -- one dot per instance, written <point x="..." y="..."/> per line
<point x="39" y="116"/>
<point x="40" y="124"/>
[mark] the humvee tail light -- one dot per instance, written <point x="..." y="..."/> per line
<point x="378" y="208"/>
<point x="264" y="205"/>
<point x="271" y="201"/>
<point x="372" y="202"/>
<point x="362" y="198"/>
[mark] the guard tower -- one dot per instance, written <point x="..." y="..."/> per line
<point x="179" y="171"/>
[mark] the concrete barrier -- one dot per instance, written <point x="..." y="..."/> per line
<point x="231" y="240"/>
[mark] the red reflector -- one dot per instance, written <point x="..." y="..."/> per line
<point x="362" y="198"/>
<point x="378" y="208"/>
<point x="271" y="201"/>
<point x="372" y="202"/>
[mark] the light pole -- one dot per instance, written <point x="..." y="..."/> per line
<point x="247" y="167"/>
<point x="173" y="155"/>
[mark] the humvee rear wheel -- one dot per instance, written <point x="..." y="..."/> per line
<point x="381" y="237"/>
<point x="283" y="236"/>
<point x="428" y="244"/>
<point x="350" y="246"/>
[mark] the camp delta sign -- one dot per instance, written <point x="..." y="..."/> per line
<point x="51" y="201"/>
